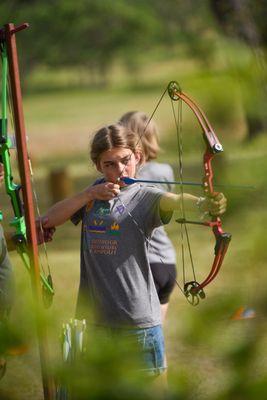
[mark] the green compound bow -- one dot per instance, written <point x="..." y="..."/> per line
<point x="6" y="143"/>
<point x="25" y="237"/>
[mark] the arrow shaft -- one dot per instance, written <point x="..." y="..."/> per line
<point x="130" y="181"/>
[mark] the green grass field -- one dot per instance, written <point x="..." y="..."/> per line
<point x="209" y="354"/>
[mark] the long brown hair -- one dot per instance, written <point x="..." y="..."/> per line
<point x="146" y="131"/>
<point x="111" y="136"/>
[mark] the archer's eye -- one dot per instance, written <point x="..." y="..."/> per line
<point x="126" y="160"/>
<point x="109" y="165"/>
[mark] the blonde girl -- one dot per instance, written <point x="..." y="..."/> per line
<point x="161" y="253"/>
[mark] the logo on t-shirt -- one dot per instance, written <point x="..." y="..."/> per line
<point x="97" y="227"/>
<point x="120" y="209"/>
<point x="102" y="209"/>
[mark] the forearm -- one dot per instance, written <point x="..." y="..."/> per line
<point x="172" y="202"/>
<point x="63" y="210"/>
<point x="214" y="206"/>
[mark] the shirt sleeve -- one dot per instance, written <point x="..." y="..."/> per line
<point x="77" y="217"/>
<point x="150" y="216"/>
<point x="170" y="177"/>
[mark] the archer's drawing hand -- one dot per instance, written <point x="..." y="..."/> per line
<point x="215" y="206"/>
<point x="105" y="191"/>
<point x="44" y="233"/>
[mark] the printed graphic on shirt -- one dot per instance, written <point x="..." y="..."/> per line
<point x="114" y="229"/>
<point x="96" y="227"/>
<point x="104" y="246"/>
<point x="102" y="209"/>
<point x="103" y="229"/>
<point x="120" y="209"/>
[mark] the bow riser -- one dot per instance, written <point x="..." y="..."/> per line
<point x="208" y="174"/>
<point x="22" y="154"/>
<point x="13" y="190"/>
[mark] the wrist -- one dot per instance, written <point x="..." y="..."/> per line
<point x="89" y="193"/>
<point x="202" y="207"/>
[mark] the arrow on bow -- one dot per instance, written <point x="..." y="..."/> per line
<point x="130" y="181"/>
<point x="25" y="237"/>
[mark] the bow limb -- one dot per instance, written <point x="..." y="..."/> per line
<point x="209" y="135"/>
<point x="213" y="147"/>
<point x="24" y="220"/>
<point x="21" y="212"/>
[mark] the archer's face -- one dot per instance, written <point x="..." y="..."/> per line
<point x="118" y="162"/>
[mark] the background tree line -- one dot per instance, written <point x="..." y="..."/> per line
<point x="92" y="35"/>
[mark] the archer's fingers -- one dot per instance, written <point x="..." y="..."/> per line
<point x="48" y="234"/>
<point x="218" y="204"/>
<point x="44" y="234"/>
<point x="113" y="189"/>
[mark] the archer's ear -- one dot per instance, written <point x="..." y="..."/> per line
<point x="139" y="158"/>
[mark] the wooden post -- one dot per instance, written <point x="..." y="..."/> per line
<point x="61" y="185"/>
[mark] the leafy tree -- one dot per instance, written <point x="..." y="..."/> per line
<point x="85" y="33"/>
<point x="245" y="20"/>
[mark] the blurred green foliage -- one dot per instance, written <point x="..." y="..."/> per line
<point x="92" y="34"/>
<point x="88" y="42"/>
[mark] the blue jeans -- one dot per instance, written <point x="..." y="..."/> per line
<point x="151" y="341"/>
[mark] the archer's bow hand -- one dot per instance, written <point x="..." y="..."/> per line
<point x="215" y="205"/>
<point x="44" y="233"/>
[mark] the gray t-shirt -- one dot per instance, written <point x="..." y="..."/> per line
<point x="160" y="249"/>
<point x="116" y="279"/>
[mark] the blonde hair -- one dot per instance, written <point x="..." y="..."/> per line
<point x="146" y="130"/>
<point x="111" y="136"/>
